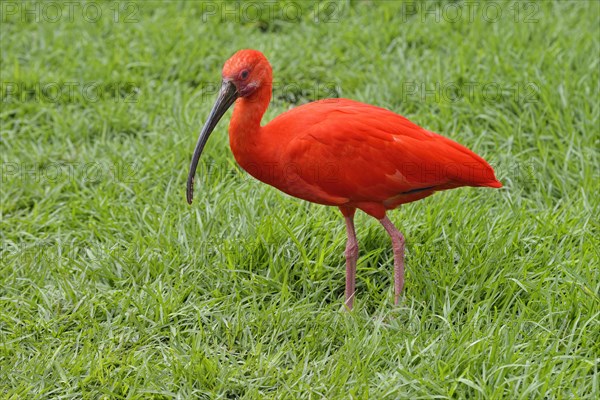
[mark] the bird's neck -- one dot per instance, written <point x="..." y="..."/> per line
<point x="247" y="114"/>
<point x="249" y="142"/>
<point x="245" y="136"/>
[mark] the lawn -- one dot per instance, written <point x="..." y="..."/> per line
<point x="112" y="286"/>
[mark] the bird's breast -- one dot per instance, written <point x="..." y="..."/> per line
<point x="268" y="164"/>
<point x="256" y="158"/>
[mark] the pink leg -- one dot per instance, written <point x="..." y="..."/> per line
<point x="351" y="258"/>
<point x="398" y="246"/>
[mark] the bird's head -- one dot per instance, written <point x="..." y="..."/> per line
<point x="243" y="74"/>
<point x="247" y="70"/>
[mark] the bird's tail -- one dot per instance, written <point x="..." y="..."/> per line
<point x="495" y="184"/>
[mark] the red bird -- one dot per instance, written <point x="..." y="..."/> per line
<point x="337" y="152"/>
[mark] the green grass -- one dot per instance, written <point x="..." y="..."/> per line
<point x="111" y="286"/>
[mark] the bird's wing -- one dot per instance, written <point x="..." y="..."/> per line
<point x="360" y="152"/>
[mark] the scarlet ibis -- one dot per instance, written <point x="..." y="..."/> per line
<point x="337" y="152"/>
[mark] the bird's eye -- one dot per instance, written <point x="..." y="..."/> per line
<point x="244" y="74"/>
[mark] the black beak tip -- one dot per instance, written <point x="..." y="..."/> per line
<point x="190" y="191"/>
<point x="190" y="197"/>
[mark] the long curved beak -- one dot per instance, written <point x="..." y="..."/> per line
<point x="227" y="96"/>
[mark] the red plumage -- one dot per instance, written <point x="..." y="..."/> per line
<point x="338" y="152"/>
<point x="345" y="153"/>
